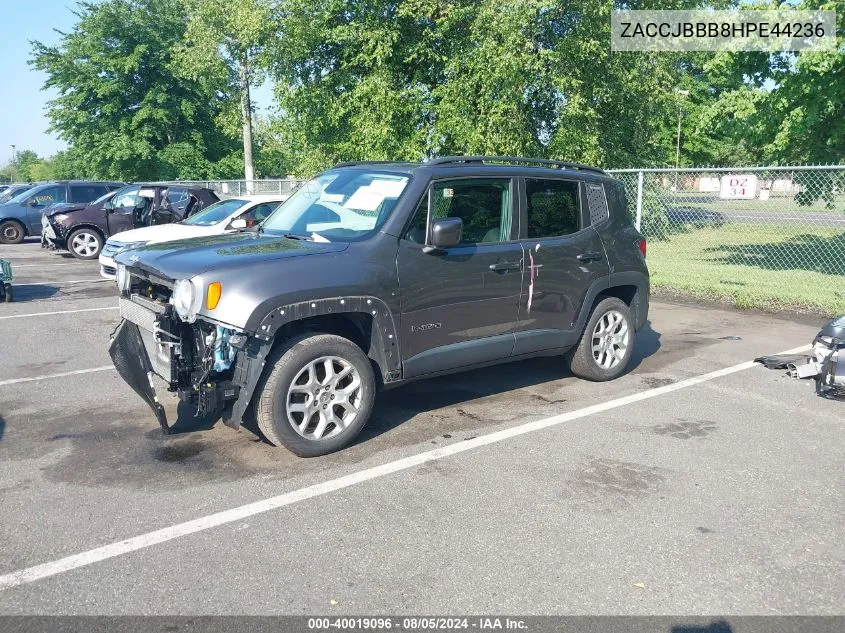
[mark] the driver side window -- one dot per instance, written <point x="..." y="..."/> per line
<point x="483" y="204"/>
<point x="128" y="198"/>
<point x="48" y="196"/>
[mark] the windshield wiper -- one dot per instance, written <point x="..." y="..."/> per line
<point x="298" y="236"/>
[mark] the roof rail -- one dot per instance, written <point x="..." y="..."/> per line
<point x="560" y="164"/>
<point x="352" y="163"/>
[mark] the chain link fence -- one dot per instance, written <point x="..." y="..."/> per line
<point x="234" y="188"/>
<point x="770" y="238"/>
<point x="764" y="237"/>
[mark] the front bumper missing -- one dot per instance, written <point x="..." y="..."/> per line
<point x="151" y="340"/>
<point x="133" y="364"/>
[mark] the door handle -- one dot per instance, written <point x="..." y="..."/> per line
<point x="588" y="257"/>
<point x="505" y="266"/>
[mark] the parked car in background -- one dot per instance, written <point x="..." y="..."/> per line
<point x="83" y="229"/>
<point x="373" y="274"/>
<point x="12" y="190"/>
<point x="21" y="215"/>
<point x="217" y="219"/>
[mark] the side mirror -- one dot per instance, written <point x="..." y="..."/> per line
<point x="445" y="233"/>
<point x="32" y="202"/>
<point x="238" y="224"/>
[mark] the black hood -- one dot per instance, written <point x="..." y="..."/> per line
<point x="64" y="207"/>
<point x="183" y="259"/>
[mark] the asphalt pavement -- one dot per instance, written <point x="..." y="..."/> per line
<point x="695" y="484"/>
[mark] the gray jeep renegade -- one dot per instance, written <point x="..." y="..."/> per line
<point x="374" y="274"/>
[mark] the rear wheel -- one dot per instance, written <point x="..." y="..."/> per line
<point x="85" y="243"/>
<point x="605" y="348"/>
<point x="316" y="395"/>
<point x="11" y="232"/>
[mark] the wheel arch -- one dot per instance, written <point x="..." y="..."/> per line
<point x="365" y="320"/>
<point x="19" y="222"/>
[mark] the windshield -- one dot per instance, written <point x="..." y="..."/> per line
<point x="11" y="192"/>
<point x="23" y="195"/>
<point x="217" y="212"/>
<point x="341" y="205"/>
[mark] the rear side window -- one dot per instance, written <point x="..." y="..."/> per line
<point x="597" y="202"/>
<point x="175" y="196"/>
<point x="86" y="193"/>
<point x="619" y="200"/>
<point x="553" y="207"/>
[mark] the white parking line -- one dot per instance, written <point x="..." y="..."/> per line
<point x="70" y="281"/>
<point x="16" y="266"/>
<point x="35" y="314"/>
<point x="15" y="381"/>
<point x="84" y="559"/>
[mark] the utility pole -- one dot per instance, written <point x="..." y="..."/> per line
<point x="12" y="165"/>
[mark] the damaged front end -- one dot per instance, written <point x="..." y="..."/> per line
<point x="210" y="366"/>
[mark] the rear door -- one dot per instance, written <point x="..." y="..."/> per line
<point x="460" y="307"/>
<point x="564" y="257"/>
<point x="174" y="205"/>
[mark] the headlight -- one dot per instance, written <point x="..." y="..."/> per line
<point x="123" y="279"/>
<point x="60" y="217"/>
<point x="186" y="299"/>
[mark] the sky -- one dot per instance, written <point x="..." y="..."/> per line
<point x="23" y="122"/>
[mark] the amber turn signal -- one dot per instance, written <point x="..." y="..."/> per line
<point x="212" y="298"/>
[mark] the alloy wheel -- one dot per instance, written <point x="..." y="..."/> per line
<point x="324" y="398"/>
<point x="610" y="339"/>
<point x="85" y="244"/>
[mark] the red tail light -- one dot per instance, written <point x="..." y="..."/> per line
<point x="642" y="247"/>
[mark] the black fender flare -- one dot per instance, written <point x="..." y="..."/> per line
<point x="639" y="306"/>
<point x="384" y="344"/>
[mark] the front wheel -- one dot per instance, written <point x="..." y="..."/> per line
<point x="85" y="243"/>
<point x="606" y="346"/>
<point x="316" y="394"/>
<point x="11" y="232"/>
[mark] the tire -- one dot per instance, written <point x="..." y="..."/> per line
<point x="85" y="243"/>
<point x="293" y="376"/>
<point x="604" y="362"/>
<point x="11" y="232"/>
<point x="8" y="296"/>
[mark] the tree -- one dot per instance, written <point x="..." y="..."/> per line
<point x="223" y="42"/>
<point x="121" y="101"/>
<point x="403" y="80"/>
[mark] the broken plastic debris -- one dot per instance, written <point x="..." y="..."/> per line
<point x="639" y="585"/>
<point x="332" y="602"/>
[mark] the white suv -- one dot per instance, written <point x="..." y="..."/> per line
<point x="214" y="220"/>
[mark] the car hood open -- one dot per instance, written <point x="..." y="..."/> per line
<point x="182" y="259"/>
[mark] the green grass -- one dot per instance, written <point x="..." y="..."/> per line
<point x="768" y="267"/>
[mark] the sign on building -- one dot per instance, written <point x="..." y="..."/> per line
<point x="741" y="187"/>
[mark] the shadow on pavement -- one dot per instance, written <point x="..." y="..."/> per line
<point x="396" y="406"/>
<point x="33" y="292"/>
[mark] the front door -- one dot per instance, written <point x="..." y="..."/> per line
<point x="460" y="307"/>
<point x="564" y="255"/>
<point x="120" y="211"/>
<point x="39" y="201"/>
